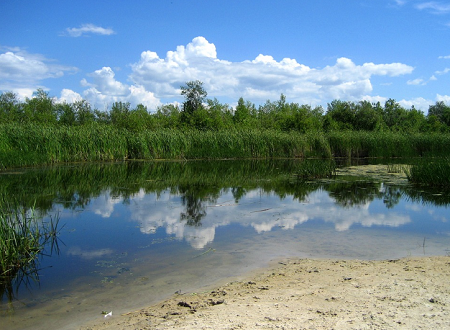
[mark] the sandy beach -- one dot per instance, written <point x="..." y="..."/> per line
<point x="409" y="293"/>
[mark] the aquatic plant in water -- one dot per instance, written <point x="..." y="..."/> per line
<point x="23" y="240"/>
<point x="430" y="171"/>
<point x="316" y="169"/>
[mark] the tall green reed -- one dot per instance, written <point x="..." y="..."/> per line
<point x="357" y="144"/>
<point x="32" y="144"/>
<point x="23" y="239"/>
<point x="431" y="172"/>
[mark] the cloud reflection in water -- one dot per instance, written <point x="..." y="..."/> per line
<point x="262" y="211"/>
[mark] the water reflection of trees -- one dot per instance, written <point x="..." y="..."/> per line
<point x="350" y="194"/>
<point x="195" y="199"/>
<point x="391" y="196"/>
<point x="198" y="183"/>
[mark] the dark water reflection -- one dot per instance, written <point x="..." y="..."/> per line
<point x="138" y="231"/>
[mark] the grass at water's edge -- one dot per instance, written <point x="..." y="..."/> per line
<point x="431" y="172"/>
<point x="23" y="238"/>
<point x="25" y="145"/>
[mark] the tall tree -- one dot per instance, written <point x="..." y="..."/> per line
<point x="393" y="113"/>
<point x="120" y="112"/>
<point x="167" y="116"/>
<point x="245" y="114"/>
<point x="342" y="113"/>
<point x="83" y="111"/>
<point x="9" y="107"/>
<point x="441" y="111"/>
<point x="194" y="95"/>
<point x="40" y="108"/>
<point x="66" y="114"/>
<point x="366" y="117"/>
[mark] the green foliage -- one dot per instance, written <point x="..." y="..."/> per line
<point x="431" y="172"/>
<point x="31" y="144"/>
<point x="23" y="239"/>
<point x="194" y="95"/>
<point x="83" y="112"/>
<point x="10" y="108"/>
<point x="167" y="116"/>
<point x="367" y="117"/>
<point x="342" y="113"/>
<point x="209" y="114"/>
<point x="195" y="144"/>
<point x="387" y="144"/>
<point x="41" y="131"/>
<point x="66" y="114"/>
<point x="245" y="114"/>
<point x="40" y="109"/>
<point x="441" y="111"/>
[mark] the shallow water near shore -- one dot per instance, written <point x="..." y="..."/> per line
<point x="133" y="234"/>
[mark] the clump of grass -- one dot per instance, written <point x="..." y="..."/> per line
<point x="430" y="171"/>
<point x="316" y="169"/>
<point x="23" y="238"/>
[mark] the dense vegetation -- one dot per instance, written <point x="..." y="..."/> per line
<point x="23" y="239"/>
<point x="431" y="172"/>
<point x="197" y="112"/>
<point x="40" y="130"/>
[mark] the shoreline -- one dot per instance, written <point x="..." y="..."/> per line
<point x="295" y="293"/>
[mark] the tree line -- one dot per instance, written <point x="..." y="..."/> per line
<point x="202" y="113"/>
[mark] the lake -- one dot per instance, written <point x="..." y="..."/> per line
<point x="134" y="233"/>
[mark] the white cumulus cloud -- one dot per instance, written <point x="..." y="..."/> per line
<point x="418" y="103"/>
<point x="259" y="79"/>
<point x="152" y="78"/>
<point x="22" y="67"/>
<point x="69" y="96"/>
<point x="21" y="72"/>
<point x="443" y="98"/>
<point x="105" y="90"/>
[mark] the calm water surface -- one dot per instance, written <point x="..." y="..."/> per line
<point x="134" y="233"/>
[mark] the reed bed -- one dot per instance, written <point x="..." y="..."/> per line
<point x="358" y="144"/>
<point x="431" y="172"/>
<point x="26" y="145"/>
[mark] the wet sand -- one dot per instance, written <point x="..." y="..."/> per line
<point x="408" y="293"/>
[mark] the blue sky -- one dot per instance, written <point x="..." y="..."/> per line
<point x="311" y="51"/>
